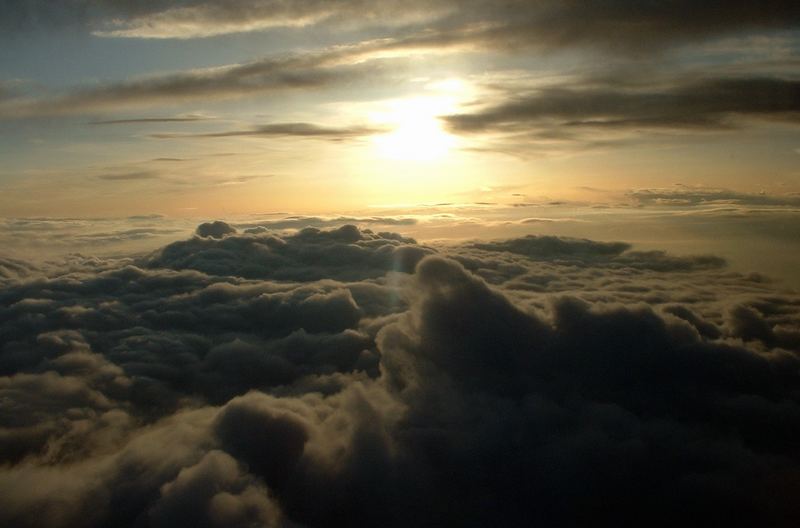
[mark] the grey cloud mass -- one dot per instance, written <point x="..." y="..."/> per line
<point x="343" y="377"/>
<point x="712" y="103"/>
<point x="623" y="26"/>
<point x="626" y="28"/>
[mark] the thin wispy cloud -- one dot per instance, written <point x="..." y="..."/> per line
<point x="145" y="120"/>
<point x="133" y="175"/>
<point x="300" y="130"/>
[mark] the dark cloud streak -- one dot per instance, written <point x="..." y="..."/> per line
<point x="714" y="103"/>
<point x="301" y="130"/>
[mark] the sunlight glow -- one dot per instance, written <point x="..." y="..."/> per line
<point x="417" y="133"/>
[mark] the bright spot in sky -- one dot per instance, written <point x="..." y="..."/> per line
<point x="417" y="133"/>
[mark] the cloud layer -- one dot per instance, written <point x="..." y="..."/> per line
<point x="343" y="377"/>
<point x="626" y="26"/>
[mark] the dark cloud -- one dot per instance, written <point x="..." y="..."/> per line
<point x="688" y="196"/>
<point x="15" y="269"/>
<point x="146" y="120"/>
<point x="297" y="71"/>
<point x="559" y="382"/>
<point x="626" y="27"/>
<point x="303" y="130"/>
<point x="298" y="222"/>
<point x="309" y="254"/>
<point x="40" y="14"/>
<point x="561" y="112"/>
<point x="588" y="252"/>
<point x="63" y="234"/>
<point x="622" y="26"/>
<point x="216" y="229"/>
<point x="135" y="175"/>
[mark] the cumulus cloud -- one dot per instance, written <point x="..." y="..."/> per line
<point x="15" y="269"/>
<point x="216" y="229"/>
<point x="342" y="377"/>
<point x="342" y="253"/>
<point x="300" y="221"/>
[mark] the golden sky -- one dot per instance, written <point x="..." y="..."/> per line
<point x="315" y="107"/>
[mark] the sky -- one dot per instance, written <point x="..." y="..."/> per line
<point x="222" y="109"/>
<point x="300" y="263"/>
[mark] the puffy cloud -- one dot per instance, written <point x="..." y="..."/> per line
<point x="214" y="492"/>
<point x="216" y="229"/>
<point x="556" y="381"/>
<point x="14" y="269"/>
<point x="342" y="253"/>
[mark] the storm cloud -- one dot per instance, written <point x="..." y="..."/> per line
<point x="346" y="378"/>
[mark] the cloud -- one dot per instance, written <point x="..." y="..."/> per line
<point x="310" y="379"/>
<point x="624" y="27"/>
<point x="299" y="221"/>
<point x="215" y="492"/>
<point x="144" y="120"/>
<point x="135" y="175"/>
<point x="577" y="113"/>
<point x="205" y="19"/>
<point x="583" y="252"/>
<point x="302" y="130"/>
<point x="15" y="269"/>
<point x="692" y="197"/>
<point x="215" y="229"/>
<point x="308" y="254"/>
<point x="58" y="237"/>
<point x="298" y="71"/>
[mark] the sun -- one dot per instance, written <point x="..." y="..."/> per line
<point x="417" y="133"/>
